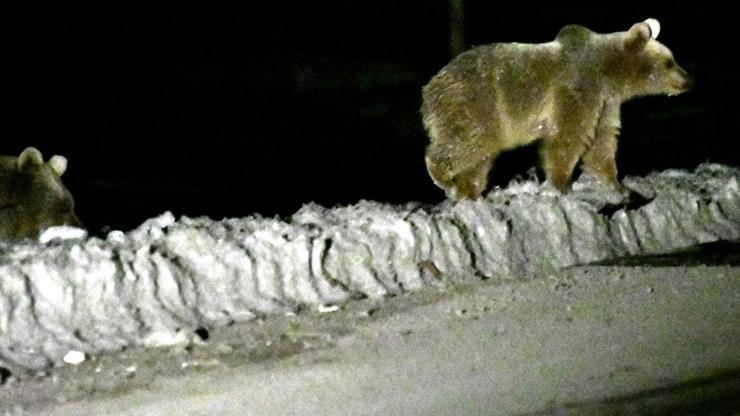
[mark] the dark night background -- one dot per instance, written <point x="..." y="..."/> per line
<point x="228" y="110"/>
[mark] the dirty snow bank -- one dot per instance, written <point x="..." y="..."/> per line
<point x="156" y="284"/>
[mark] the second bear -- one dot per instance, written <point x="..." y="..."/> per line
<point x="32" y="196"/>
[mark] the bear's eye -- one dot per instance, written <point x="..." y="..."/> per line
<point x="669" y="63"/>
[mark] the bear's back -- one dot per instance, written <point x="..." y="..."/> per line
<point x="517" y="75"/>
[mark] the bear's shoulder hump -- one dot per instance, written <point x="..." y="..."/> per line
<point x="574" y="36"/>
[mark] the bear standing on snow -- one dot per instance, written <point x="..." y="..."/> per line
<point x="32" y="196"/>
<point x="566" y="92"/>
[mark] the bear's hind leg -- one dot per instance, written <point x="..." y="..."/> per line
<point x="438" y="168"/>
<point x="459" y="170"/>
<point x="473" y="182"/>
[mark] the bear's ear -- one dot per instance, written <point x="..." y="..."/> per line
<point x="640" y="33"/>
<point x="58" y="164"/>
<point x="654" y="25"/>
<point x="30" y="158"/>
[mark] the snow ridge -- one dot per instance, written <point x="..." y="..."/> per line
<point x="168" y="277"/>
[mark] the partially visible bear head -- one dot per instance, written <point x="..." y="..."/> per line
<point x="32" y="196"/>
<point x="649" y="65"/>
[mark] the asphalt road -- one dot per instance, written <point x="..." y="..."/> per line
<point x="609" y="339"/>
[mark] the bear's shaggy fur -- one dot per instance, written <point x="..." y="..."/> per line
<point x="32" y="196"/>
<point x="566" y="92"/>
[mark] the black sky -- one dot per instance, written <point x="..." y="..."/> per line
<point x="227" y="110"/>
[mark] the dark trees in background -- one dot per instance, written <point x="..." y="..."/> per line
<point x="457" y="27"/>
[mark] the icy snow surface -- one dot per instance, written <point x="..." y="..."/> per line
<point x="159" y="282"/>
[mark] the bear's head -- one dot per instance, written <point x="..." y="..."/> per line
<point x="648" y="65"/>
<point x="32" y="196"/>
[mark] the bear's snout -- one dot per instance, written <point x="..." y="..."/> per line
<point x="688" y="82"/>
<point x="680" y="81"/>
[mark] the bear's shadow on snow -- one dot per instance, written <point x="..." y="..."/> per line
<point x="720" y="253"/>
<point x="632" y="202"/>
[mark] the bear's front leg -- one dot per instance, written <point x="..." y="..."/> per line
<point x="559" y="158"/>
<point x="600" y="159"/>
<point x="576" y="118"/>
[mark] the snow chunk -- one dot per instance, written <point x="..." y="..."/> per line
<point x="62" y="232"/>
<point x="74" y="357"/>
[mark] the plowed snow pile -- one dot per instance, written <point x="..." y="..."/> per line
<point x="149" y="286"/>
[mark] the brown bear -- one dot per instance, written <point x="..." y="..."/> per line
<point x="566" y="92"/>
<point x="32" y="196"/>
